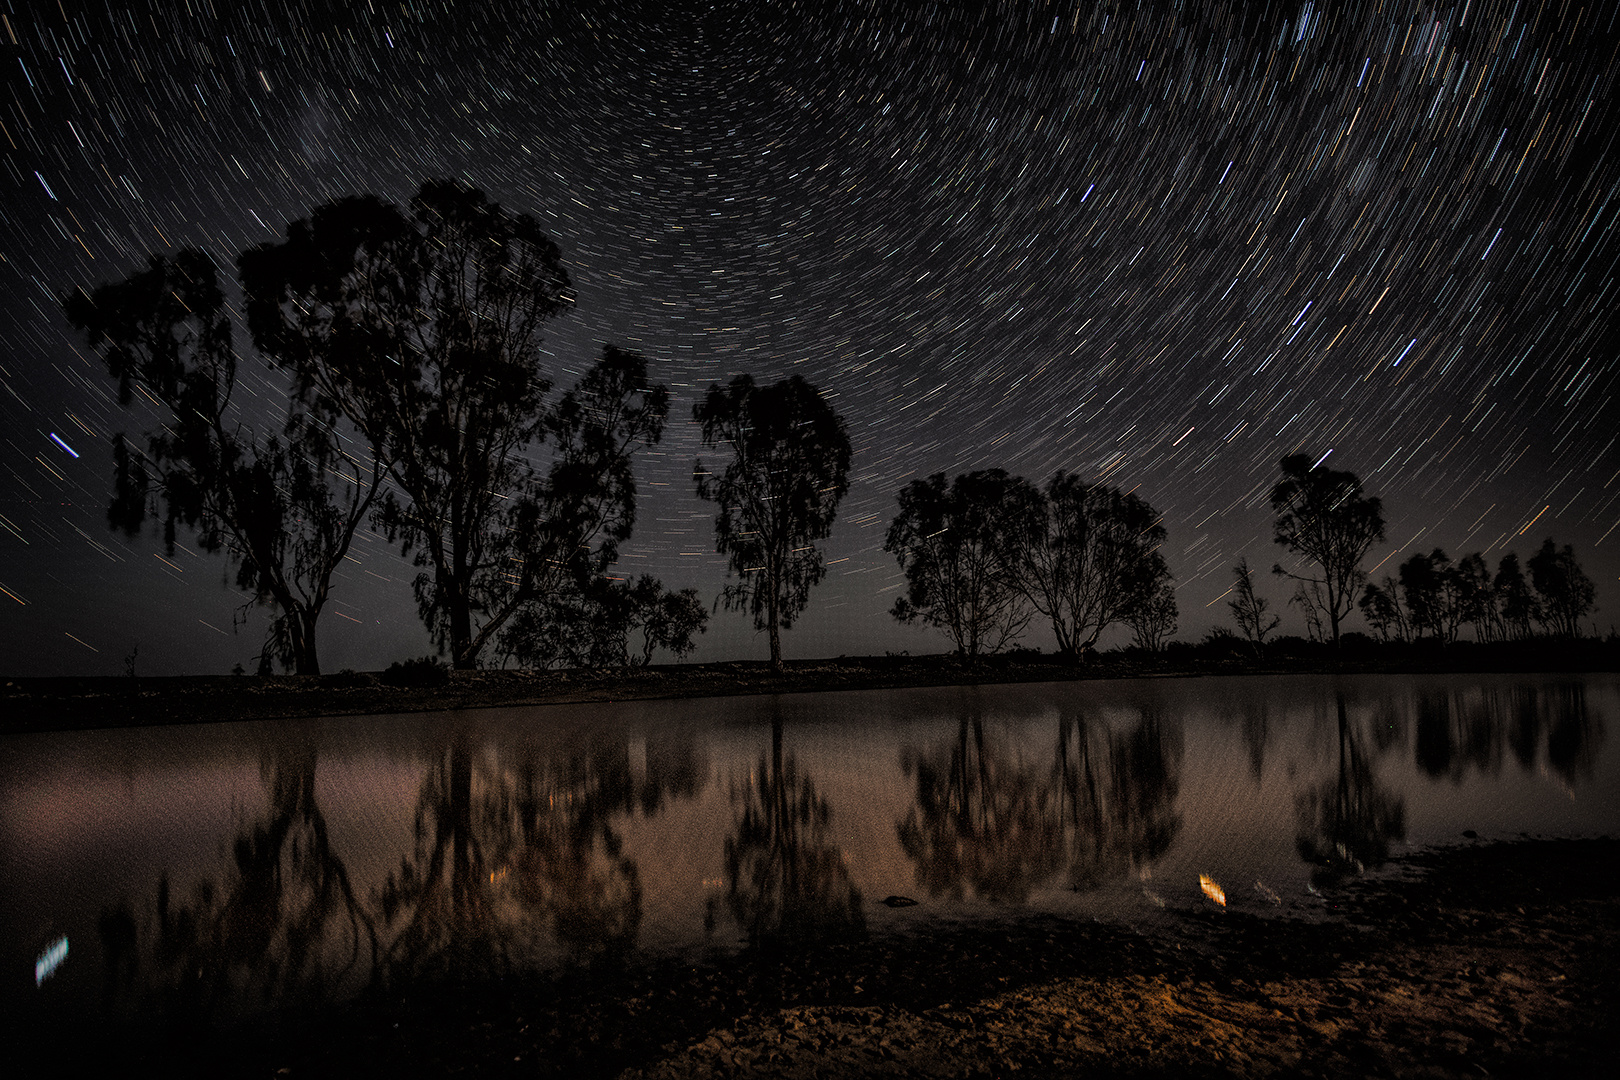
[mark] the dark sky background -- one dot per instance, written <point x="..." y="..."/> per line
<point x="1158" y="244"/>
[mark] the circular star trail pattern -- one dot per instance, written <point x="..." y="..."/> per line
<point x="1161" y="245"/>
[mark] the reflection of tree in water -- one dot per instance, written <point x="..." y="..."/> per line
<point x="511" y="850"/>
<point x="443" y="890"/>
<point x="785" y="880"/>
<point x="283" y="924"/>
<point x="1459" y="732"/>
<point x="1116" y="801"/>
<point x="982" y="821"/>
<point x="1256" y="733"/>
<point x="502" y="854"/>
<point x="566" y="863"/>
<point x="1455" y="734"/>
<point x="1574" y="731"/>
<point x="1348" y="822"/>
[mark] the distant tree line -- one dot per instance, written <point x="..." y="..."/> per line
<point x="1324" y="516"/>
<point x="1433" y="597"/>
<point x="987" y="553"/>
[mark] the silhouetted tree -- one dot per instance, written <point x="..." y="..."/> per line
<point x="284" y="507"/>
<point x="1381" y="607"/>
<point x="1313" y="605"/>
<point x="1430" y="585"/>
<point x="576" y="628"/>
<point x="1565" y="592"/>
<point x="953" y="544"/>
<point x="593" y="627"/>
<point x="423" y="329"/>
<point x="1095" y="561"/>
<point x="1248" y="607"/>
<point x="1515" y="600"/>
<point x="778" y="494"/>
<point x="667" y="620"/>
<point x="1476" y="599"/>
<point x="1323" y="516"/>
<point x="1153" y="620"/>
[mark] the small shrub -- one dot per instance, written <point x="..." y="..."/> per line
<point x="348" y="679"/>
<point x="421" y="673"/>
<point x="1356" y="643"/>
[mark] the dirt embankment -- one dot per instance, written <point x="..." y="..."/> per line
<point x="1493" y="960"/>
<point x="44" y="704"/>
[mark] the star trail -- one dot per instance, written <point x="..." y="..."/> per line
<point x="1157" y="244"/>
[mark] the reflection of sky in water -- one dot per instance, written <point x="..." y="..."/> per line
<point x="1185" y="777"/>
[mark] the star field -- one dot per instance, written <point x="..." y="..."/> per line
<point x="1159" y="244"/>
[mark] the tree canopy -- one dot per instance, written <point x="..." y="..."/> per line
<point x="594" y="627"/>
<point x="280" y="492"/>
<point x="1324" y="517"/>
<point x="1431" y="587"/>
<point x="778" y="493"/>
<point x="954" y="543"/>
<point x="1094" y="561"/>
<point x="422" y="328"/>
<point x="1565" y="592"/>
<point x="1153" y="619"/>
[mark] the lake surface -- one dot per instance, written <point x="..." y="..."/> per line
<point x="226" y="866"/>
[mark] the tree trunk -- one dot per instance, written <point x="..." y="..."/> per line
<point x="301" y="625"/>
<point x="463" y="875"/>
<point x="462" y="655"/>
<point x="774" y="628"/>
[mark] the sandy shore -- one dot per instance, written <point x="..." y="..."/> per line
<point x="1486" y="960"/>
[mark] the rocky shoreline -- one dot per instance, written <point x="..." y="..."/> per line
<point x="1482" y="960"/>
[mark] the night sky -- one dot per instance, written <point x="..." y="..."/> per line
<point x="1157" y="244"/>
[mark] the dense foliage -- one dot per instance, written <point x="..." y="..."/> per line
<point x="280" y="493"/>
<point x="778" y="493"/>
<point x="422" y="328"/>
<point x="956" y="543"/>
<point x="986" y="554"/>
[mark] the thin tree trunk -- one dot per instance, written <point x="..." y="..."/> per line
<point x="774" y="628"/>
<point x="301" y="624"/>
<point x="462" y="889"/>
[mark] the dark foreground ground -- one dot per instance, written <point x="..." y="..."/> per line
<point x="42" y="704"/>
<point x="1487" y="960"/>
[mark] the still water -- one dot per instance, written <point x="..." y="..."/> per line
<point x="222" y="867"/>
